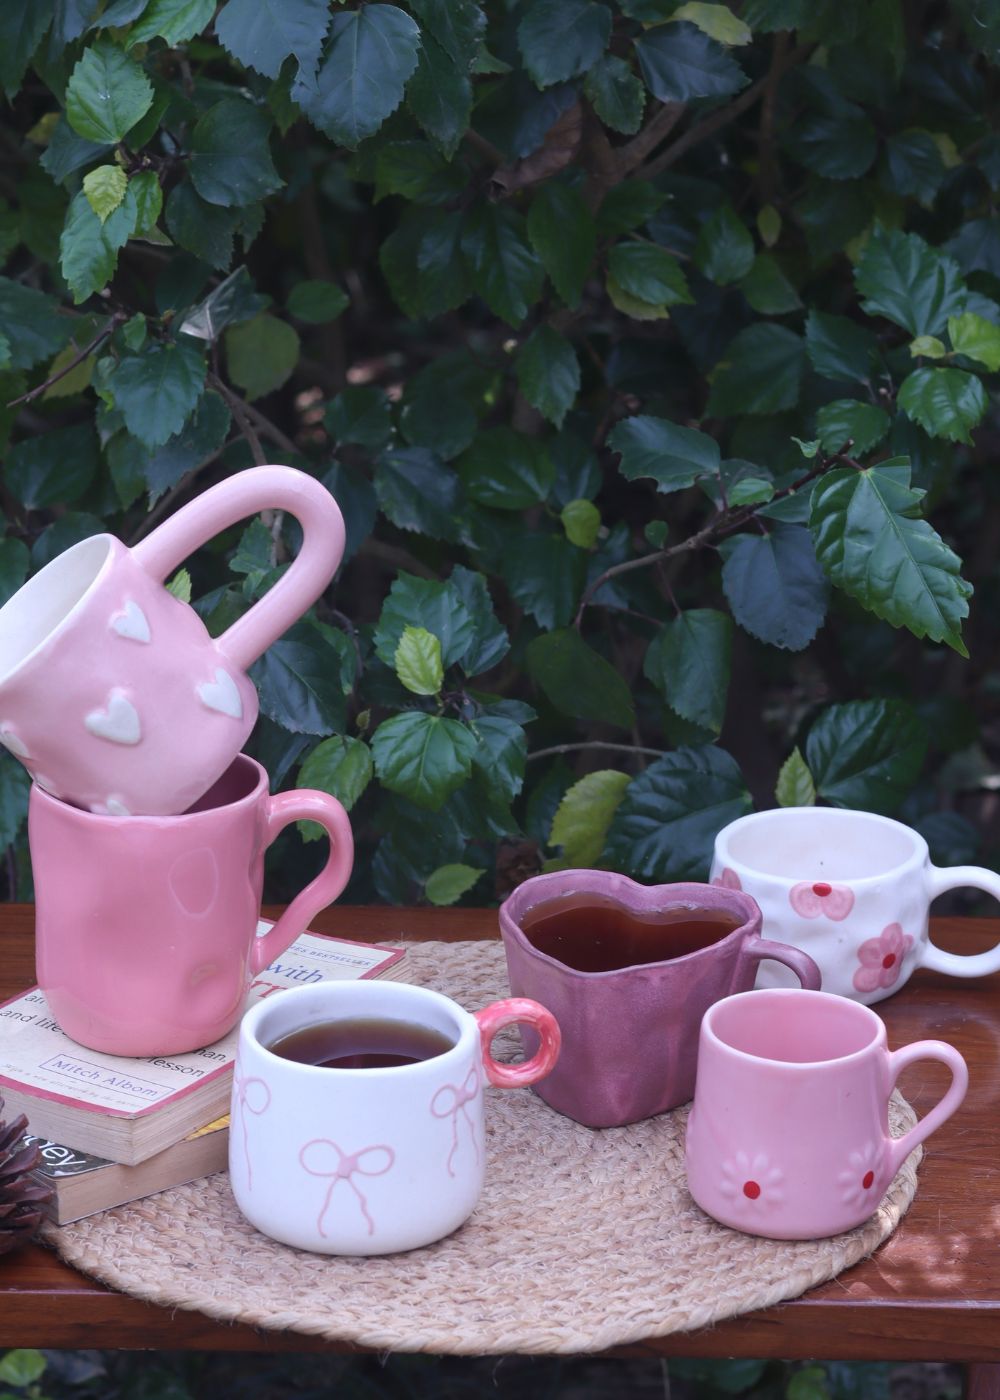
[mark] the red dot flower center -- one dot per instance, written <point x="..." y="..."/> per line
<point x="751" y="1190"/>
<point x="867" y="1179"/>
<point x="888" y="960"/>
<point x="822" y="889"/>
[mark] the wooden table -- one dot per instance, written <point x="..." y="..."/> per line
<point x="931" y="1293"/>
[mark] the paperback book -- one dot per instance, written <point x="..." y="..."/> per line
<point x="127" y="1110"/>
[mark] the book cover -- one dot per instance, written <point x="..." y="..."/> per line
<point x="129" y="1109"/>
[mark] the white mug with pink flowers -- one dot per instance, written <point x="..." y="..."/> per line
<point x="851" y="889"/>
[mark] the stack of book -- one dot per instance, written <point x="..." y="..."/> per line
<point x="141" y="1126"/>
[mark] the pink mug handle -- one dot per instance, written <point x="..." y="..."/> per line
<point x="900" y="1148"/>
<point x="306" y="804"/>
<point x="789" y="956"/>
<point x="231" y="500"/>
<point x="498" y="1014"/>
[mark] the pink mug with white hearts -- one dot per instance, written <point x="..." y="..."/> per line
<point x="373" y="1159"/>
<point x="851" y="889"/>
<point x="112" y="693"/>
<point x="788" y="1134"/>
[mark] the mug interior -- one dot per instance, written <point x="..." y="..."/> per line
<point x="792" y="1027"/>
<point x="46" y="601"/>
<point x="833" y="843"/>
<point x="240" y="780"/>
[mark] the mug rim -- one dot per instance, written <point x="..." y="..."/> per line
<point x="23" y="597"/>
<point x="463" y="1021"/>
<point x="918" y="857"/>
<point x="41" y="795"/>
<point x="608" y="883"/>
<point x="846" y="1006"/>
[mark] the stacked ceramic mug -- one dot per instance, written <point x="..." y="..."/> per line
<point x="147" y="825"/>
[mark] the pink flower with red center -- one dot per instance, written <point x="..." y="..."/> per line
<point x="812" y="898"/>
<point x="860" y="1181"/>
<point x="881" y="959"/>
<point x="752" y="1183"/>
<point x="728" y="879"/>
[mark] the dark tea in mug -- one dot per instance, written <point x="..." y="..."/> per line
<point x="369" y="1043"/>
<point x="593" y="933"/>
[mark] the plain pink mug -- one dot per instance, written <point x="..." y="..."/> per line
<point x="788" y="1135"/>
<point x="145" y="927"/>
<point x="112" y="693"/>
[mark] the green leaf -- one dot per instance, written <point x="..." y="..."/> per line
<point x="317" y="302"/>
<point x="839" y="145"/>
<point x="562" y="233"/>
<point x="928" y="347"/>
<point x="850" y="420"/>
<point x="767" y="289"/>
<point x="261" y="354"/>
<point x="724" y="251"/>
<point x="670" y="814"/>
<point x="902" y="278"/>
<point x="560" y="39"/>
<point x="580" y="825"/>
<point x="506" y="469"/>
<point x="795" y="787"/>
<point x="15" y="784"/>
<point x="173" y="20"/>
<point x="443" y="422"/>
<point x="760" y="372"/>
<point x="775" y="586"/>
<point x="717" y="21"/>
<point x="157" y="389"/>
<point x="262" y="33"/>
<point x="298" y="679"/>
<point x="31" y="322"/>
<point x="107" y="94"/>
<point x="417" y="661"/>
<point x="679" y="62"/>
<point x="457" y="26"/>
<point x="688" y="662"/>
<point x="675" y="457"/>
<point x="505" y="271"/>
<point x="88" y="248"/>
<point x="839" y="348"/>
<point x="633" y="306"/>
<point x="419" y="172"/>
<point x="417" y="491"/>
<point x="230" y="157"/>
<point x="769" y="225"/>
<point x="199" y="440"/>
<point x="341" y="766"/>
<point x="180" y="585"/>
<point x="616" y="94"/>
<point x="148" y="199"/>
<point x="866" y="754"/>
<point x="424" y="605"/>
<point x="558" y="660"/>
<point x="21" y="30"/>
<point x="913" y="165"/>
<point x="206" y="230"/>
<point x="750" y="491"/>
<point x="440" y="96"/>
<point x="489" y="643"/>
<point x="545" y="575"/>
<point x="582" y="522"/>
<point x="649" y="273"/>
<point x="423" y="757"/>
<point x="947" y="403"/>
<point x="448" y="883"/>
<point x="976" y="338"/>
<point x="871" y="545"/>
<point x="627" y="206"/>
<point x="548" y="373"/>
<point x="14" y="563"/>
<point x="371" y="54"/>
<point x="54" y="468"/>
<point x="361" y="414"/>
<point x="105" y="189"/>
<point x="21" y="1367"/>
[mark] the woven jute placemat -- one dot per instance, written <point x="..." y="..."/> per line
<point x="582" y="1239"/>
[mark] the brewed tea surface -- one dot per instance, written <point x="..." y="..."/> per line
<point x="593" y="933"/>
<point x="362" y="1043"/>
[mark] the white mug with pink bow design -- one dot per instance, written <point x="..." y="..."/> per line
<point x="853" y="890"/>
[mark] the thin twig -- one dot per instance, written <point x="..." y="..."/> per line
<point x="592" y="744"/>
<point x="243" y="420"/>
<point x="657" y="129"/>
<point x="111" y="326"/>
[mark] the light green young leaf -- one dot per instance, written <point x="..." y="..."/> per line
<point x="976" y="338"/>
<point x="795" y="787"/>
<point x="106" y="94"/>
<point x="634" y="306"/>
<point x="261" y="354"/>
<point x="105" y="189"/>
<point x="717" y="21"/>
<point x="928" y="347"/>
<point x="88" y="248"/>
<point x="769" y="225"/>
<point x="180" y="585"/>
<point x="417" y="661"/>
<point x="448" y="883"/>
<point x="582" y="522"/>
<point x="580" y="825"/>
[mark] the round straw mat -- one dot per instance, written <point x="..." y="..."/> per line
<point x="582" y="1239"/>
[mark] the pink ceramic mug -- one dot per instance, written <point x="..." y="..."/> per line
<point x="789" y="1131"/>
<point x="146" y="926"/>
<point x="112" y="693"/>
<point x="630" y="1035"/>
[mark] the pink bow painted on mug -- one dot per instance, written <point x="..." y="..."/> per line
<point x="348" y="1165"/>
<point x="241" y="1100"/>
<point x="810" y="899"/>
<point x="881" y="959"/>
<point x="459" y="1099"/>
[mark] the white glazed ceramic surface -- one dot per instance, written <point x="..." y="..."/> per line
<point x="851" y="889"/>
<point x="366" y="1161"/>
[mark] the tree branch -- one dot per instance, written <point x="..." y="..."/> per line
<point x="109" y="329"/>
<point x="660" y="125"/>
<point x="593" y="744"/>
<point x="243" y="420"/>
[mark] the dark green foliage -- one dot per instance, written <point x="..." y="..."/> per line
<point x="652" y="360"/>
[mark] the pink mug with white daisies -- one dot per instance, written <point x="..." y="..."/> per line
<point x="851" y="889"/>
<point x="788" y="1135"/>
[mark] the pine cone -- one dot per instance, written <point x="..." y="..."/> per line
<point x="20" y="1197"/>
